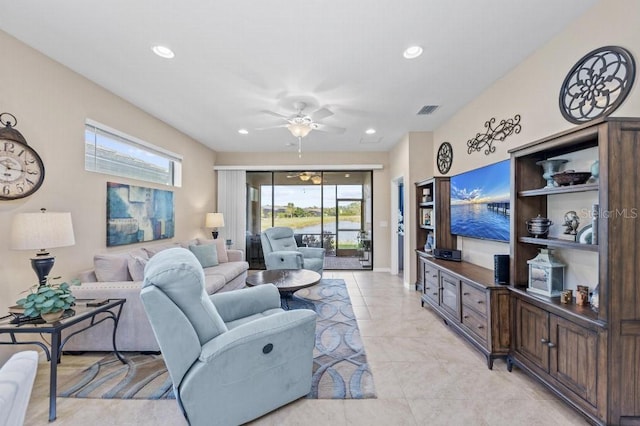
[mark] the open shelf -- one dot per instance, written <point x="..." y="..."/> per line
<point x="560" y="190"/>
<point x="559" y="243"/>
<point x="577" y="312"/>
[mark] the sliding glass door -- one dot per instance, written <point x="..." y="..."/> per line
<point x="325" y="209"/>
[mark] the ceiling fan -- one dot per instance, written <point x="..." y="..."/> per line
<point x="301" y="124"/>
<point x="315" y="178"/>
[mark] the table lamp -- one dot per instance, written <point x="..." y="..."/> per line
<point x="215" y="221"/>
<point x="42" y="231"/>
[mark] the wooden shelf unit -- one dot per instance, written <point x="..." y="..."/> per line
<point x="439" y="192"/>
<point x="589" y="359"/>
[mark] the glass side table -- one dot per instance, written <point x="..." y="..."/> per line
<point x="92" y="315"/>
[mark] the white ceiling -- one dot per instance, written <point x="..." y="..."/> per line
<point x="237" y="58"/>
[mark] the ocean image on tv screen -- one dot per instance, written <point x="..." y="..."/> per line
<point x="480" y="202"/>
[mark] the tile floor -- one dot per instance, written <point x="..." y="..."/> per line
<point x="423" y="372"/>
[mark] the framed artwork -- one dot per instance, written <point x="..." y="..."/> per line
<point x="136" y="214"/>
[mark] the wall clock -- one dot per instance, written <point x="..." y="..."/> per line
<point x="445" y="157"/>
<point x="597" y="84"/>
<point x="21" y="168"/>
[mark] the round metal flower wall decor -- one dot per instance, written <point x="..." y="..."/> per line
<point x="597" y="84"/>
<point x="445" y="157"/>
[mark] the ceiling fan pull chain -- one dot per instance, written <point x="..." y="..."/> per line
<point x="299" y="147"/>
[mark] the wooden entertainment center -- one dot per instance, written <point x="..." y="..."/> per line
<point x="590" y="359"/>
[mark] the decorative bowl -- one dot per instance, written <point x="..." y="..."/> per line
<point x="569" y="177"/>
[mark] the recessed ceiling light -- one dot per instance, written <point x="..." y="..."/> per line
<point x="412" y="52"/>
<point x="370" y="131"/>
<point x="163" y="51"/>
<point x="243" y="131"/>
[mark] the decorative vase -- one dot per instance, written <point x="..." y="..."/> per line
<point x="595" y="298"/>
<point x="595" y="169"/>
<point x="51" y="317"/>
<point x="551" y="167"/>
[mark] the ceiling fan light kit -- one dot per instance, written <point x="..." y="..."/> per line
<point x="299" y="130"/>
<point x="301" y="124"/>
<point x="315" y="178"/>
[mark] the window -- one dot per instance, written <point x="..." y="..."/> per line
<point x="112" y="152"/>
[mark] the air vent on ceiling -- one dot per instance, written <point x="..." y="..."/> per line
<point x="427" y="109"/>
<point x="370" y="139"/>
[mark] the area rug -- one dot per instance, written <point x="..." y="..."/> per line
<point x="340" y="368"/>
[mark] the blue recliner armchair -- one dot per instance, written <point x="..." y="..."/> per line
<point x="281" y="251"/>
<point x="232" y="356"/>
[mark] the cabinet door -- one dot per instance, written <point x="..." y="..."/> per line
<point x="450" y="294"/>
<point x="531" y="336"/>
<point x="573" y="357"/>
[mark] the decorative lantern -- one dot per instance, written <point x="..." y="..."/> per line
<point x="546" y="275"/>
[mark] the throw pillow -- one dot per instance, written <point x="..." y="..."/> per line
<point x="206" y="254"/>
<point x="111" y="267"/>
<point x="136" y="266"/>
<point x="186" y="244"/>
<point x="152" y="250"/>
<point x="220" y="247"/>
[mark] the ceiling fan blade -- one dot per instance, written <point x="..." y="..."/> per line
<point x="321" y="113"/>
<point x="330" y="129"/>
<point x="272" y="127"/>
<point x="275" y="114"/>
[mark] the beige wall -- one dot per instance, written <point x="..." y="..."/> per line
<point x="51" y="104"/>
<point x="410" y="160"/>
<point x="532" y="89"/>
<point x="381" y="179"/>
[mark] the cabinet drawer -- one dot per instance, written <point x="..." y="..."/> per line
<point x="430" y="273"/>
<point x="432" y="291"/>
<point x="474" y="298"/>
<point x="475" y="323"/>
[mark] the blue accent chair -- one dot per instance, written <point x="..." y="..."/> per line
<point x="282" y="252"/>
<point x="232" y="356"/>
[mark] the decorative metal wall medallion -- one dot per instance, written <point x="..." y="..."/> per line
<point x="445" y="157"/>
<point x="597" y="84"/>
<point x="502" y="130"/>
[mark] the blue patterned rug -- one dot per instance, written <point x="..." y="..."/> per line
<point x="340" y="368"/>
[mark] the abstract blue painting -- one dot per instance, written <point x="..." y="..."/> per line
<point x="136" y="214"/>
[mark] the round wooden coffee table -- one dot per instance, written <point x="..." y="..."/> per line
<point x="288" y="281"/>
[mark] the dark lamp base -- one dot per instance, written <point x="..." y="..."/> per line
<point x="42" y="265"/>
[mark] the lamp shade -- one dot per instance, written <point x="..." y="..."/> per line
<point x="41" y="231"/>
<point x="214" y="220"/>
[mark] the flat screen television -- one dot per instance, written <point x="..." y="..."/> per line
<point x="480" y="201"/>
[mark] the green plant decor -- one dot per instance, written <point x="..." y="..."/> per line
<point x="48" y="298"/>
